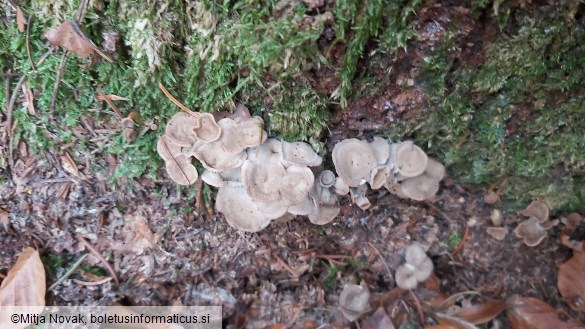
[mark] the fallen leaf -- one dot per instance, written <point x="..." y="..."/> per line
<point x="481" y="313"/>
<point x="20" y="20"/>
<point x="69" y="165"/>
<point x="28" y="99"/>
<point x="532" y="313"/>
<point x="453" y="322"/>
<point x="441" y="326"/>
<point x="571" y="281"/>
<point x="67" y="36"/>
<point x="5" y="219"/>
<point x="378" y="320"/>
<point x="23" y="289"/>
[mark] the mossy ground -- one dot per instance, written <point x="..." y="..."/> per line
<point x="515" y="116"/>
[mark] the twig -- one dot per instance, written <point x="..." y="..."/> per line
<point x="174" y="100"/>
<point x="418" y="307"/>
<point x="58" y="80"/>
<point x="28" y="52"/>
<point x="93" y="283"/>
<point x="8" y="125"/>
<point x="100" y="257"/>
<point x="69" y="272"/>
<point x="112" y="105"/>
<point x="287" y="267"/>
<point x="382" y="259"/>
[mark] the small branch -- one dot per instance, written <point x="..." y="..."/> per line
<point x="112" y="105"/>
<point x="58" y="80"/>
<point x="69" y="272"/>
<point x="100" y="257"/>
<point x="28" y="51"/>
<point x="94" y="283"/>
<point x="174" y="100"/>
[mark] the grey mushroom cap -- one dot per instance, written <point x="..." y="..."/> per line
<point x="300" y="154"/>
<point x="339" y="187"/>
<point x="262" y="177"/>
<point x="324" y="214"/>
<point x="237" y="136"/>
<point x="532" y="231"/>
<point x="419" y="188"/>
<point x="406" y="276"/>
<point x="358" y="196"/>
<point x="208" y="130"/>
<point x="435" y="169"/>
<point x="181" y="170"/>
<point x="239" y="210"/>
<point x="354" y="301"/>
<point x="354" y="161"/>
<point x="212" y="178"/>
<point x="296" y="184"/>
<point x="538" y="210"/>
<point x="410" y="159"/>
<point x="326" y="178"/>
<point x="167" y="149"/>
<point x="212" y="156"/>
<point x="381" y="148"/>
<point x="379" y="177"/>
<point x="415" y="254"/>
<point x="424" y="270"/>
<point x="304" y="208"/>
<point x="179" y="129"/>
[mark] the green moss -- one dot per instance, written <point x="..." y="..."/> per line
<point x="515" y="117"/>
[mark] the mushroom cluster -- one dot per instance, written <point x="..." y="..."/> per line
<point x="403" y="168"/>
<point x="533" y="230"/>
<point x="418" y="268"/>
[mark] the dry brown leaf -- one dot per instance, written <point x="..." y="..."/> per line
<point x="532" y="313"/>
<point x="453" y="322"/>
<point x="441" y="326"/>
<point x="571" y="281"/>
<point x="28" y="98"/>
<point x="24" y="287"/>
<point x="66" y="36"/>
<point x="20" y="20"/>
<point x="5" y="219"/>
<point x="378" y="320"/>
<point x="481" y="313"/>
<point x="69" y="165"/>
<point x="111" y="97"/>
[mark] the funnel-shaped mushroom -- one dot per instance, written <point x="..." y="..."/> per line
<point x="300" y="154"/>
<point x="167" y="149"/>
<point x="532" y="231"/>
<point x="179" y="129"/>
<point x="435" y="170"/>
<point x="354" y="301"/>
<point x="419" y="188"/>
<point x="354" y="161"/>
<point x="410" y="159"/>
<point x="237" y="136"/>
<point x="212" y="156"/>
<point x="381" y="148"/>
<point x="418" y="268"/>
<point x="262" y="176"/>
<point x="379" y="177"/>
<point x="538" y="210"/>
<point x="181" y="170"/>
<point x="208" y="130"/>
<point x="239" y="210"/>
<point x="296" y="184"/>
<point x="406" y="276"/>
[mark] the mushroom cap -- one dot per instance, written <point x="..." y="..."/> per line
<point x="498" y="233"/>
<point x="208" y="130"/>
<point x="272" y="209"/>
<point x="212" y="156"/>
<point x="212" y="178"/>
<point x="240" y="113"/>
<point x="353" y="160"/>
<point x="537" y="209"/>
<point x="339" y="187"/>
<point x="419" y="188"/>
<point x="326" y="178"/>
<point x="531" y="231"/>
<point x="262" y="177"/>
<point x="411" y="159"/>
<point x="237" y="136"/>
<point x="406" y="276"/>
<point x="179" y="129"/>
<point x="304" y="208"/>
<point x="379" y="176"/>
<point x="381" y="148"/>
<point x="295" y="185"/>
<point x="181" y="170"/>
<point x="324" y="214"/>
<point x="354" y="301"/>
<point x="239" y="210"/>
<point x="300" y="154"/>
<point x="424" y="269"/>
<point x="167" y="149"/>
<point x="415" y="254"/>
<point x="435" y="169"/>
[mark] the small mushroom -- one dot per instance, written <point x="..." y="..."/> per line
<point x="358" y="196"/>
<point x="406" y="276"/>
<point x="212" y="156"/>
<point x="381" y="149"/>
<point x="212" y="178"/>
<point x="419" y="188"/>
<point x="296" y="184"/>
<point x="237" y="136"/>
<point x="262" y="177"/>
<point x="326" y="178"/>
<point x="339" y="187"/>
<point x="416" y="256"/>
<point x="300" y="154"/>
<point x="410" y="159"/>
<point x="179" y="129"/>
<point x="354" y="301"/>
<point x="208" y="130"/>
<point x="532" y="231"/>
<point x="498" y="233"/>
<point x="325" y="205"/>
<point x="304" y="208"/>
<point x="538" y="210"/>
<point x="167" y="149"/>
<point x="379" y="177"/>
<point x="435" y="169"/>
<point x="181" y="170"/>
<point x="239" y="210"/>
<point x="354" y="161"/>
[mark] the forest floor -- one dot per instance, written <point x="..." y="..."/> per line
<point x="167" y="244"/>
